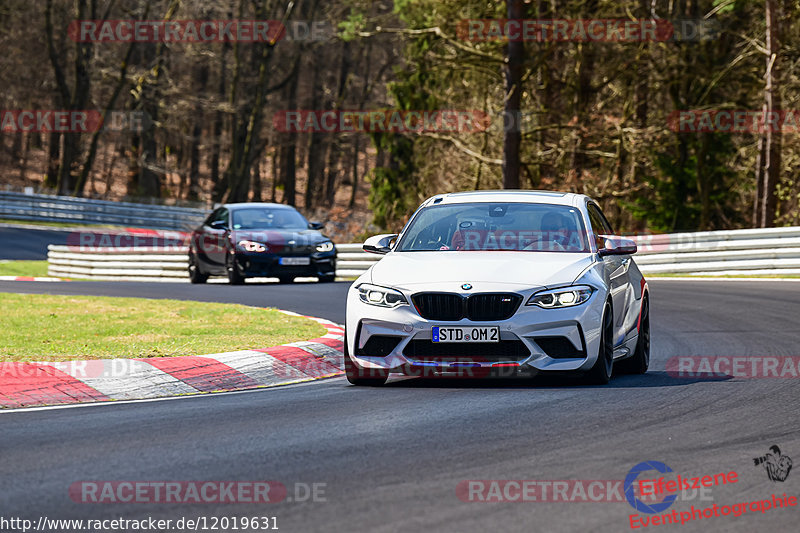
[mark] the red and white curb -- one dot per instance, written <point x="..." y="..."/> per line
<point x="33" y="384"/>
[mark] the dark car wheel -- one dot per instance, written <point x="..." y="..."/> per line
<point x="234" y="277"/>
<point x="640" y="360"/>
<point x="195" y="274"/>
<point x="286" y="279"/>
<point x="327" y="279"/>
<point x="600" y="373"/>
<point x="359" y="376"/>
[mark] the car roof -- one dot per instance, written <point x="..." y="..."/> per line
<point x="246" y="205"/>
<point x="521" y="196"/>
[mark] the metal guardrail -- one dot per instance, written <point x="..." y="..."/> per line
<point x="737" y="252"/>
<point x="42" y="207"/>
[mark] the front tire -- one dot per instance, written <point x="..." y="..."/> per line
<point x="600" y="373"/>
<point x="327" y="279"/>
<point x="234" y="277"/>
<point x="361" y="377"/>
<point x="286" y="279"/>
<point x="196" y="275"/>
<point x="640" y="360"/>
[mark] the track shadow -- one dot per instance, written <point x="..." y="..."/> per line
<point x="648" y="380"/>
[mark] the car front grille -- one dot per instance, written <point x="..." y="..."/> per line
<point x="439" y="306"/>
<point x="505" y="350"/>
<point x="482" y="307"/>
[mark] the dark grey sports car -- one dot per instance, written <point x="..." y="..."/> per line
<point x="260" y="240"/>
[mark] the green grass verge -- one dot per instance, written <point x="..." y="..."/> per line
<point x="63" y="328"/>
<point x="23" y="268"/>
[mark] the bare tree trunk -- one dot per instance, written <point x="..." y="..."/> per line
<point x="217" y="135"/>
<point x="758" y="200"/>
<point x="336" y="147"/>
<point x="275" y="174"/>
<point x="354" y="189"/>
<point x="318" y="145"/>
<point x="512" y="137"/>
<point x="201" y="79"/>
<point x="256" y="180"/>
<point x="23" y="160"/>
<point x="771" y="154"/>
<point x="289" y="149"/>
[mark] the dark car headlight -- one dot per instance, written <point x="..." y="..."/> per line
<point x="563" y="297"/>
<point x="252" y="246"/>
<point x="326" y="246"/>
<point x="380" y="296"/>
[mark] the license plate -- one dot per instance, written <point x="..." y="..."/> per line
<point x="295" y="261"/>
<point x="465" y="334"/>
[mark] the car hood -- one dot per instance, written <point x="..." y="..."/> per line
<point x="528" y="269"/>
<point x="281" y="240"/>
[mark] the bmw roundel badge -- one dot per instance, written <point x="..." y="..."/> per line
<point x="466" y="286"/>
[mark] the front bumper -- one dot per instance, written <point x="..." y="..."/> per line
<point x="255" y="264"/>
<point x="533" y="340"/>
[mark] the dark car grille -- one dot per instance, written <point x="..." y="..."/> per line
<point x="478" y="307"/>
<point x="559" y="347"/>
<point x="507" y="350"/>
<point x="434" y="306"/>
<point x="379" y="346"/>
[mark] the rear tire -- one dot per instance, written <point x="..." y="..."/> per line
<point x="286" y="279"/>
<point x="361" y="377"/>
<point x="327" y="279"/>
<point x="196" y="275"/>
<point x="600" y="373"/>
<point x="640" y="360"/>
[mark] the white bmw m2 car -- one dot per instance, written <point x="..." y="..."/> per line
<point x="495" y="283"/>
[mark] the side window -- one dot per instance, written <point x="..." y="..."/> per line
<point x="219" y="214"/>
<point x="211" y="218"/>
<point x="600" y="225"/>
<point x="223" y="216"/>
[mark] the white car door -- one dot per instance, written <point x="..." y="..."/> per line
<point x="617" y="268"/>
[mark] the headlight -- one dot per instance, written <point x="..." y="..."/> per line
<point x="325" y="246"/>
<point x="251" y="246"/>
<point x="564" y="297"/>
<point x="380" y="296"/>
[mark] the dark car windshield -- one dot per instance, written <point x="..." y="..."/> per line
<point x="496" y="226"/>
<point x="268" y="218"/>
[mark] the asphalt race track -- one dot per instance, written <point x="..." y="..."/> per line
<point x="391" y="458"/>
<point x="28" y="244"/>
<point x="323" y="300"/>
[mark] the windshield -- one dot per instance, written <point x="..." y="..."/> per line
<point x="496" y="226"/>
<point x="268" y="218"/>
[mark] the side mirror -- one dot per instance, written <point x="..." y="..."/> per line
<point x="380" y="244"/>
<point x="613" y="245"/>
<point x="219" y="224"/>
<point x="316" y="225"/>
